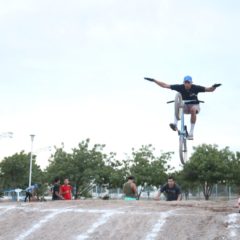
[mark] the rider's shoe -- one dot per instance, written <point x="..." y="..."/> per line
<point x="190" y="136"/>
<point x="173" y="126"/>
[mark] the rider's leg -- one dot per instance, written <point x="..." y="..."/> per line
<point x="193" y="120"/>
<point x="173" y="125"/>
<point x="194" y="110"/>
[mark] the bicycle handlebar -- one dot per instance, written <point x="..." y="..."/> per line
<point x="149" y="79"/>
<point x="188" y="101"/>
<point x="216" y="85"/>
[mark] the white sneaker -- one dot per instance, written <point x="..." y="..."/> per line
<point x="190" y="136"/>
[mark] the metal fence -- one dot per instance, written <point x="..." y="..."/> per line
<point x="219" y="192"/>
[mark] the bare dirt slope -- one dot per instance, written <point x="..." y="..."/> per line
<point x="99" y="219"/>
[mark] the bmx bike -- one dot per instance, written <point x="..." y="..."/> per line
<point x="179" y="104"/>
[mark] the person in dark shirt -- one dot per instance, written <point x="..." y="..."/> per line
<point x="171" y="190"/>
<point x="56" y="190"/>
<point x="189" y="91"/>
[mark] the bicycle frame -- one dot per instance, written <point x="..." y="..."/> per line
<point x="182" y="133"/>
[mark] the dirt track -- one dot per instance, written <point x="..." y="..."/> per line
<point x="99" y="219"/>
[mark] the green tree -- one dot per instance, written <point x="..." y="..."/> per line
<point x="235" y="169"/>
<point x="207" y="166"/>
<point x="59" y="165"/>
<point x="185" y="185"/>
<point x="148" y="169"/>
<point x="14" y="171"/>
<point x="84" y="166"/>
<point x="116" y="171"/>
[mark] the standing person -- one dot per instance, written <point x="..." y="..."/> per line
<point x="130" y="189"/>
<point x="30" y="192"/>
<point x="189" y="91"/>
<point x="66" y="190"/>
<point x="56" y="190"/>
<point x="171" y="190"/>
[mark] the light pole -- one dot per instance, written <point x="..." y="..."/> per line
<point x="30" y="169"/>
<point x="6" y="135"/>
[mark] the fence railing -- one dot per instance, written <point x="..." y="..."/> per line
<point x="219" y="192"/>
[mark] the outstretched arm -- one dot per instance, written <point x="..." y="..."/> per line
<point x="159" y="83"/>
<point x="162" y="84"/>
<point x="158" y="196"/>
<point x="179" y="197"/>
<point x="212" y="88"/>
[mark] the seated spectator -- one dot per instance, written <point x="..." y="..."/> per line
<point x="130" y="189"/>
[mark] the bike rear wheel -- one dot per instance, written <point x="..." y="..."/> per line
<point x="178" y="106"/>
<point x="183" y="149"/>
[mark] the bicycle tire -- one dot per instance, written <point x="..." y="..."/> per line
<point x="177" y="106"/>
<point x="183" y="149"/>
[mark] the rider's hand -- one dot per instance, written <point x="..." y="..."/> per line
<point x="150" y="79"/>
<point x="216" y="85"/>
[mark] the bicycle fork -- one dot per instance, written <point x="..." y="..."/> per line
<point x="183" y="130"/>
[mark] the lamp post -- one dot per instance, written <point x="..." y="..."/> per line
<point x="31" y="155"/>
<point x="6" y="135"/>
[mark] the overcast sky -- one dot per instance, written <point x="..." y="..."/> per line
<point x="72" y="70"/>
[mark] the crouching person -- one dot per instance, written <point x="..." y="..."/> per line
<point x="171" y="190"/>
<point x="130" y="189"/>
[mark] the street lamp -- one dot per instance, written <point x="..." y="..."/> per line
<point x="30" y="169"/>
<point x="6" y="135"/>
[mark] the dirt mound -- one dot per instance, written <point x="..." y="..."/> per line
<point x="98" y="219"/>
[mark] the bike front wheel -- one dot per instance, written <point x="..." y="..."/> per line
<point x="183" y="149"/>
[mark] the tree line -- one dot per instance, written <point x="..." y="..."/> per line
<point x="89" y="164"/>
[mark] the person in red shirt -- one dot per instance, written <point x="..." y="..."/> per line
<point x="66" y="190"/>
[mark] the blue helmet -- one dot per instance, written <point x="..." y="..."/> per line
<point x="187" y="79"/>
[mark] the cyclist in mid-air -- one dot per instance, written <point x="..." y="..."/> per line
<point x="189" y="91"/>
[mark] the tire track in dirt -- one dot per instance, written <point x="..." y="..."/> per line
<point x="120" y="220"/>
<point x="157" y="227"/>
<point x="102" y="220"/>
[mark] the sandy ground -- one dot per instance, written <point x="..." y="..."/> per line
<point x="117" y="219"/>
